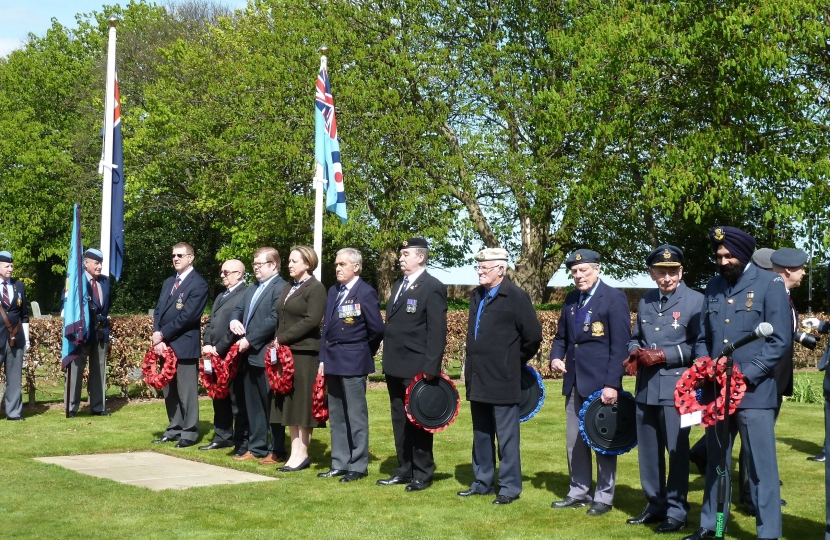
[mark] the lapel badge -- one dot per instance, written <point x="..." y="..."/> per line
<point x="597" y="329"/>
<point x="411" y="305"/>
<point x="19" y="301"/>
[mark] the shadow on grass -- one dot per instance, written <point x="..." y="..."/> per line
<point x="805" y="447"/>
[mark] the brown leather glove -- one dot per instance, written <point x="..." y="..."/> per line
<point x="649" y="357"/>
<point x="631" y="363"/>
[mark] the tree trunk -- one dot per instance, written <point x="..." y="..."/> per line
<point x="387" y="271"/>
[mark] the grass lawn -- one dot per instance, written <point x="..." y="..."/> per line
<point x="46" y="501"/>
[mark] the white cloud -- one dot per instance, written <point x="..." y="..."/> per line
<point x="7" y="45"/>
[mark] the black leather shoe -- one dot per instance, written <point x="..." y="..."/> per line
<point x="570" y="502"/>
<point x="417" y="485"/>
<point x="216" y="446"/>
<point x="71" y="415"/>
<point x="101" y="413"/>
<point x="16" y="419"/>
<point x="185" y="443"/>
<point x="164" y="439"/>
<point x="470" y="492"/>
<point x="351" y="476"/>
<point x="700" y="534"/>
<point x="598" y="508"/>
<point x="331" y="473"/>
<point x="670" y="525"/>
<point x="504" y="499"/>
<point x="821" y="458"/>
<point x="393" y="481"/>
<point x="750" y="509"/>
<point x="644" y="519"/>
<point x="303" y="465"/>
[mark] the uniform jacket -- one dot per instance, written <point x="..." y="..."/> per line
<point x="726" y="318"/>
<point x="509" y="334"/>
<point x="217" y="331"/>
<point x="263" y="320"/>
<point x="416" y="328"/>
<point x="17" y="312"/>
<point x="783" y="371"/>
<point x="300" y="316"/>
<point x="181" y="327"/>
<point x="102" y="310"/>
<point x="593" y="358"/>
<point x="656" y="329"/>
<point x="348" y="348"/>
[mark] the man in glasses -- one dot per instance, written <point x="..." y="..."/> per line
<point x="230" y="417"/>
<point x="176" y="325"/>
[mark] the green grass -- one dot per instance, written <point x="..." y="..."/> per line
<point x="46" y="501"/>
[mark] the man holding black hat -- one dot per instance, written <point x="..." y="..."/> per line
<point x="735" y="303"/>
<point x="413" y="344"/>
<point x="592" y="337"/>
<point x="13" y="345"/>
<point x="661" y="348"/>
<point x="98" y="336"/>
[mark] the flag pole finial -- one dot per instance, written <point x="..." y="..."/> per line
<point x="323" y="50"/>
<point x="113" y="21"/>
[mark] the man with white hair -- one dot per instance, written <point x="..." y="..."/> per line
<point x="14" y="335"/>
<point x="503" y="333"/>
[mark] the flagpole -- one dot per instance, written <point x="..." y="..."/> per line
<point x="105" y="166"/>
<point x="318" y="194"/>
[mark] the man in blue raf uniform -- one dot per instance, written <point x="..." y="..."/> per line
<point x="590" y="346"/>
<point x="414" y="341"/>
<point x="661" y="348"/>
<point x="735" y="303"/>
<point x="13" y="342"/>
<point x="352" y="332"/>
<point x="98" y="336"/>
<point x="176" y="324"/>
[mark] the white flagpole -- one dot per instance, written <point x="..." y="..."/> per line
<point x="318" y="195"/>
<point x="105" y="166"/>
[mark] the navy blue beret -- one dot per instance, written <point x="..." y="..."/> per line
<point x="582" y="256"/>
<point x="665" y="255"/>
<point x="789" y="257"/>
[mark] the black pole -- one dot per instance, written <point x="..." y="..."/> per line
<point x="68" y="388"/>
<point x="723" y="470"/>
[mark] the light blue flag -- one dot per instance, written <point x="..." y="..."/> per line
<point x="327" y="147"/>
<point x="75" y="307"/>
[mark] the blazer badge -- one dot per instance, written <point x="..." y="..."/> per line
<point x="597" y="329"/>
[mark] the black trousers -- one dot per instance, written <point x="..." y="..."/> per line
<point x="413" y="444"/>
<point x="230" y="415"/>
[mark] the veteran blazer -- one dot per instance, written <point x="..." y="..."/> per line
<point x="181" y="327"/>
<point x="730" y="313"/>
<point x="300" y="316"/>
<point x="102" y="309"/>
<point x="217" y="332"/>
<point x="263" y="319"/>
<point x="416" y="328"/>
<point x="509" y="335"/>
<point x="18" y="312"/>
<point x="673" y="328"/>
<point x="593" y="358"/>
<point x="349" y="344"/>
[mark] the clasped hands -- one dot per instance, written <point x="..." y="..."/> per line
<point x="239" y="330"/>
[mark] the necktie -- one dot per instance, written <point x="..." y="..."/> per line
<point x="663" y="301"/>
<point x="582" y="299"/>
<point x="6" y="302"/>
<point x="175" y="285"/>
<point x="404" y="286"/>
<point x="95" y="294"/>
<point x="483" y="303"/>
<point x="258" y="290"/>
<point x="340" y="295"/>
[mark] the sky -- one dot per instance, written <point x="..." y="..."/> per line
<point x="19" y="18"/>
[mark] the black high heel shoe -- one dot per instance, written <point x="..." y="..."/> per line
<point x="304" y="465"/>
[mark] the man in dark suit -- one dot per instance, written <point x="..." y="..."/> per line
<point x="98" y="336"/>
<point x="503" y="334"/>
<point x="824" y="328"/>
<point x="735" y="303"/>
<point x="414" y="341"/>
<point x="13" y="342"/>
<point x="255" y="320"/>
<point x="352" y="332"/>
<point x="230" y="418"/>
<point x="661" y="348"/>
<point x="176" y="324"/>
<point x="590" y="346"/>
<point x="788" y="263"/>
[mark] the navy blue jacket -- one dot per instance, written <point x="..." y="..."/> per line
<point x="102" y="310"/>
<point x="349" y="345"/>
<point x="181" y="327"/>
<point x="18" y="312"/>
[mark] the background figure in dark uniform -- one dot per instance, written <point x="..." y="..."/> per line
<point x="661" y="348"/>
<point x="592" y="337"/>
<point x="823" y="328"/>
<point x="176" y="324"/>
<point x="14" y="335"/>
<point x="98" y="337"/>
<point x="789" y="264"/>
<point x="414" y="341"/>
<point x="230" y="417"/>
<point x="503" y="334"/>
<point x="736" y="302"/>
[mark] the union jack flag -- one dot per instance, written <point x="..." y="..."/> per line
<point x="326" y="145"/>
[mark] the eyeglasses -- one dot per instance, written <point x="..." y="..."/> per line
<point x="483" y="269"/>
<point x="229" y="272"/>
<point x="180" y="255"/>
<point x="259" y="265"/>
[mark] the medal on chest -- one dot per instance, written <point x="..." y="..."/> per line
<point x="411" y="305"/>
<point x="587" y="324"/>
<point x="675" y="315"/>
<point x="749" y="297"/>
<point x="180" y="302"/>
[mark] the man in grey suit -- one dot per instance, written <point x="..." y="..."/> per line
<point x="661" y="348"/>
<point x="255" y="320"/>
<point x="230" y="418"/>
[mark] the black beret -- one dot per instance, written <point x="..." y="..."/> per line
<point x="740" y="244"/>
<point x="582" y="256"/>
<point x="5" y="256"/>
<point x="416" y="242"/>
<point x="789" y="257"/>
<point x="665" y="255"/>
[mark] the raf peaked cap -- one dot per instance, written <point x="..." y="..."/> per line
<point x="582" y="256"/>
<point x="491" y="254"/>
<point x="94" y="254"/>
<point x="761" y="258"/>
<point x="789" y="257"/>
<point x="416" y="242"/>
<point x="5" y="256"/>
<point x="740" y="244"/>
<point x="665" y="255"/>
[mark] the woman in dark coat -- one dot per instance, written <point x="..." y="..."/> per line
<point x="300" y="310"/>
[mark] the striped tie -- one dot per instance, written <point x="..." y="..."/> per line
<point x="6" y="302"/>
<point x="176" y="285"/>
<point x="404" y="286"/>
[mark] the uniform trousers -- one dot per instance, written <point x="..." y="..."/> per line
<point x="491" y="422"/>
<point x="96" y="352"/>
<point x="181" y="398"/>
<point x="348" y="422"/>
<point x="826" y="462"/>
<point x="230" y="415"/>
<point x="413" y="444"/>
<point x="12" y="360"/>
<point x="579" y="459"/>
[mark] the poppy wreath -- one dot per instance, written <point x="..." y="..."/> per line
<point x="281" y="374"/>
<point x="319" y="400"/>
<point x="224" y="370"/>
<point x="159" y="380"/>
<point x="706" y="369"/>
